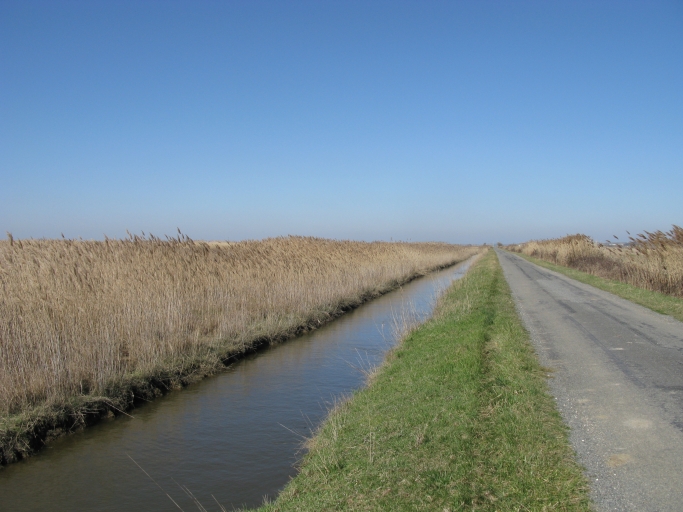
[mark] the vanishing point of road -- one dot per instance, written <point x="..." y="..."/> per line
<point x="617" y="375"/>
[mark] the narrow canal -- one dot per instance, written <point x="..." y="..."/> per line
<point x="229" y="441"/>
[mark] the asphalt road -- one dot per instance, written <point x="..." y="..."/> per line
<point x="617" y="375"/>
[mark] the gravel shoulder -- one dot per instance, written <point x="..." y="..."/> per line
<point x="617" y="374"/>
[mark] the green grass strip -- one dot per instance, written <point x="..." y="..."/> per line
<point x="458" y="418"/>
<point x="659" y="302"/>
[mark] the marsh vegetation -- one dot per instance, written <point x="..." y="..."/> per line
<point x="652" y="261"/>
<point x="87" y="327"/>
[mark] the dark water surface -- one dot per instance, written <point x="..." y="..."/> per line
<point x="230" y="439"/>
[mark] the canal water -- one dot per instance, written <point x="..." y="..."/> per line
<point x="226" y="442"/>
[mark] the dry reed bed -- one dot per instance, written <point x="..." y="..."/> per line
<point x="653" y="261"/>
<point x="88" y="326"/>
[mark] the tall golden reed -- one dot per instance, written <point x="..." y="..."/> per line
<point x="79" y="317"/>
<point x="653" y="261"/>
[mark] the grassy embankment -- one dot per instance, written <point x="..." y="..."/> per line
<point x="88" y="328"/>
<point x="649" y="272"/>
<point x="458" y="418"/>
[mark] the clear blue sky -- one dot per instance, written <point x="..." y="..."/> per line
<point x="463" y="121"/>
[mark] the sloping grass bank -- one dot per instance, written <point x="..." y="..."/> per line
<point x="656" y="301"/>
<point x="459" y="417"/>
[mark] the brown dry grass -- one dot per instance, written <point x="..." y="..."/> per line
<point x="653" y="261"/>
<point x="83" y="318"/>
